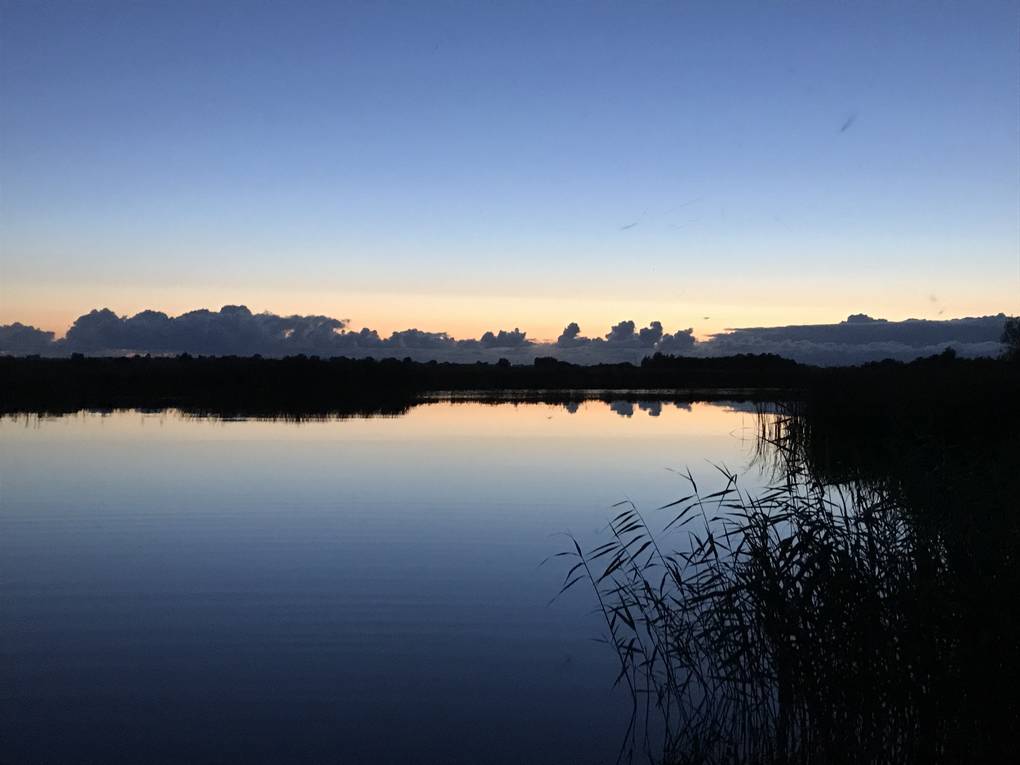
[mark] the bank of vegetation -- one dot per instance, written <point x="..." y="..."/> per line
<point x="861" y="609"/>
<point x="295" y="385"/>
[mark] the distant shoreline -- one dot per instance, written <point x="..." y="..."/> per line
<point x="294" y="386"/>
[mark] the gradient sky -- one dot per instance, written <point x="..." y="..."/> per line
<point x="468" y="166"/>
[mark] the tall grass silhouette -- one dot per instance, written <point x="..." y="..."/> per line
<point x="807" y="622"/>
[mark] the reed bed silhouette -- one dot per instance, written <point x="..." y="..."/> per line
<point x="809" y="622"/>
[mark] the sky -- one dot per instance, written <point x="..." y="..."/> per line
<point x="464" y="167"/>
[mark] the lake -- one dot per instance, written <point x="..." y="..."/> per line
<point x="178" y="589"/>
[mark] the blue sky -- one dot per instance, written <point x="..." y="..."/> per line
<point x="462" y="166"/>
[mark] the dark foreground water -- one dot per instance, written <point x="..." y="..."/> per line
<point x="365" y="590"/>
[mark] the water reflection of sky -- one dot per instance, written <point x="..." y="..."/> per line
<point x="178" y="589"/>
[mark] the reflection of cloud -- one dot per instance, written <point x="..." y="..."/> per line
<point x="622" y="408"/>
<point x="234" y="330"/>
<point x="654" y="408"/>
<point x="751" y="407"/>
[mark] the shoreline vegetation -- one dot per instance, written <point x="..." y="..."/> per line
<point x="860" y="609"/>
<point x="310" y="386"/>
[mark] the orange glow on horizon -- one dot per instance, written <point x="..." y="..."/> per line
<point x="438" y="421"/>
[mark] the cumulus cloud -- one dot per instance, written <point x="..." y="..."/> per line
<point x="650" y="335"/>
<point x="235" y="330"/>
<point x="571" y="337"/>
<point x="504" y="339"/>
<point x="20" y="339"/>
<point x="678" y="343"/>
<point x="621" y="333"/>
<point x="418" y="340"/>
<point x="861" y="318"/>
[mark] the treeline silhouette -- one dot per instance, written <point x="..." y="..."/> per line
<point x="233" y="386"/>
<point x="300" y="384"/>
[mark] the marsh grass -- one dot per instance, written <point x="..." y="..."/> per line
<point x="807" y="622"/>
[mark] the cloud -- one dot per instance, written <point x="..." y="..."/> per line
<point x="679" y="343"/>
<point x="235" y="330"/>
<point x="651" y="334"/>
<point x="417" y="340"/>
<point x="503" y="339"/>
<point x="21" y="339"/>
<point x="861" y="318"/>
<point x="570" y="338"/>
<point x="862" y="338"/>
<point x="621" y="333"/>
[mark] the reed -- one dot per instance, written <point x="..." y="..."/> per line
<point x="808" y="622"/>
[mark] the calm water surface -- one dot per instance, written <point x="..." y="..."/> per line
<point x="365" y="590"/>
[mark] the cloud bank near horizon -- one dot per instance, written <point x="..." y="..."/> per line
<point x="235" y="330"/>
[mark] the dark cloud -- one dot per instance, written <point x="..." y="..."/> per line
<point x="861" y="318"/>
<point x="622" y="408"/>
<point x="621" y="333"/>
<point x="503" y="339"/>
<point x="21" y="339"/>
<point x="235" y="330"/>
<point x="570" y="338"/>
<point x="680" y="342"/>
<point x="626" y="334"/>
<point x="650" y="335"/>
<point x="417" y="340"/>
<point x="861" y="339"/>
